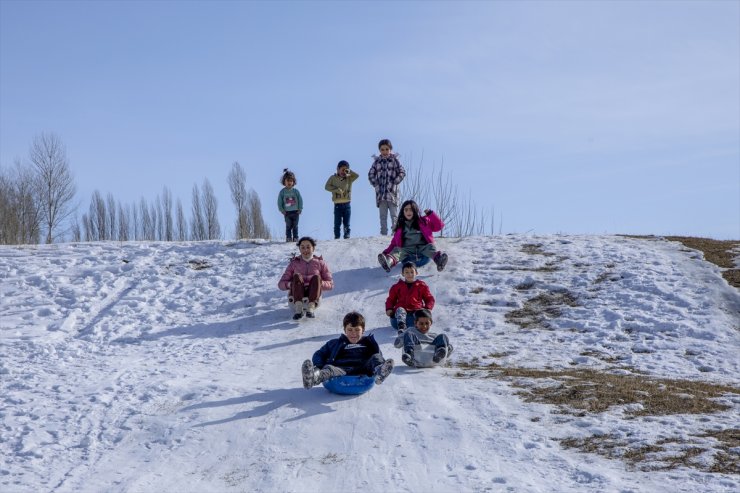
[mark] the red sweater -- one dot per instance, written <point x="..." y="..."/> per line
<point x="410" y="297"/>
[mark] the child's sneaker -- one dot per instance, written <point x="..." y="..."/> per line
<point x="383" y="370"/>
<point x="401" y="326"/>
<point x="441" y="260"/>
<point x="408" y="358"/>
<point x="308" y="374"/>
<point x="439" y="354"/>
<point x="383" y="261"/>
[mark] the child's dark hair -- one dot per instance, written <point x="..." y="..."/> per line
<point x="401" y="218"/>
<point x="342" y="164"/>
<point x="288" y="174"/>
<point x="423" y="313"/>
<point x="355" y="319"/>
<point x="385" y="142"/>
<point x="308" y="239"/>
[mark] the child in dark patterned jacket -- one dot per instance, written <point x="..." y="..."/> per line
<point x="352" y="353"/>
<point x="405" y="297"/>
<point x="385" y="175"/>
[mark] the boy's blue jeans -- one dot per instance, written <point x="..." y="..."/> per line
<point x="410" y="341"/>
<point x="342" y="213"/>
<point x="410" y="319"/>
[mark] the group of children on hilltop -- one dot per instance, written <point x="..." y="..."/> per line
<point x="385" y="175"/>
<point x="410" y="302"/>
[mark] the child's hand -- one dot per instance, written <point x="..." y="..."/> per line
<point x="427" y="212"/>
<point x="389" y="313"/>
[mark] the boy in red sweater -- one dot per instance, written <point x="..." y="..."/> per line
<point x="405" y="297"/>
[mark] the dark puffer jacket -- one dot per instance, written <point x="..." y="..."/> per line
<point x="343" y="354"/>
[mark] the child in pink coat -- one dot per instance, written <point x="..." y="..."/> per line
<point x="305" y="278"/>
<point x="413" y="237"/>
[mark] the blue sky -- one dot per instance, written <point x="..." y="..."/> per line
<point x="566" y="117"/>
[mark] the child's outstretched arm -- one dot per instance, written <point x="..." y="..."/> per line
<point x="435" y="222"/>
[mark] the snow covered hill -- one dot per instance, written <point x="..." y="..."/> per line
<point x="151" y="367"/>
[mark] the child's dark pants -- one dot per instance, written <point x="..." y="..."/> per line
<point x="342" y="213"/>
<point x="291" y="225"/>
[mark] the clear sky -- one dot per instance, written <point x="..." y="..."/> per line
<point x="566" y="117"/>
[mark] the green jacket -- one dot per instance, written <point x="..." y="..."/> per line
<point x="341" y="187"/>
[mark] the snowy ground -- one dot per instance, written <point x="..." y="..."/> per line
<point x="151" y="367"/>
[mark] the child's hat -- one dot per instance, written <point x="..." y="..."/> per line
<point x="424" y="312"/>
<point x="342" y="164"/>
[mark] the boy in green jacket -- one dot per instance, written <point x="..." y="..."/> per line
<point x="340" y="186"/>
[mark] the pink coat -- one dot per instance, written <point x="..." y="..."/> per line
<point x="431" y="223"/>
<point x="315" y="267"/>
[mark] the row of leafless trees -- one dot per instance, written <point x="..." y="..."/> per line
<point x="36" y="202"/>
<point x="434" y="189"/>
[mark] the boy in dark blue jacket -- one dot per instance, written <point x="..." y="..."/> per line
<point x="349" y="354"/>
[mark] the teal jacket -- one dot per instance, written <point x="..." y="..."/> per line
<point x="290" y="200"/>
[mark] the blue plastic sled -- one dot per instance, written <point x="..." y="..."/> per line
<point x="349" y="384"/>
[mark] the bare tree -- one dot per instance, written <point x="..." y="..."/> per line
<point x="20" y="219"/>
<point x="112" y="220"/>
<point x="124" y="222"/>
<point x="210" y="211"/>
<point x="197" y="220"/>
<point x="76" y="231"/>
<point x="99" y="217"/>
<point x="136" y="226"/>
<point x="435" y="189"/>
<point x="238" y="187"/>
<point x="167" y="214"/>
<point x="147" y="227"/>
<point x="87" y="227"/>
<point x="257" y="222"/>
<point x="158" y="219"/>
<point x="56" y="186"/>
<point x="181" y="224"/>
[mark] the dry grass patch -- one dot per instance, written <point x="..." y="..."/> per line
<point x="668" y="453"/>
<point x="538" y="310"/>
<point x="718" y="252"/>
<point x="588" y="391"/>
<point x="578" y="392"/>
<point x="535" y="249"/>
<point x="199" y="264"/>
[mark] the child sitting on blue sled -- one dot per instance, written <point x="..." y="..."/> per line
<point x="418" y="336"/>
<point x="349" y="354"/>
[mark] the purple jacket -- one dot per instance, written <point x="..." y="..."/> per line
<point x="428" y="224"/>
<point x="315" y="267"/>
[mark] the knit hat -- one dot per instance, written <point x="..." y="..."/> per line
<point x="342" y="164"/>
<point x="424" y="312"/>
